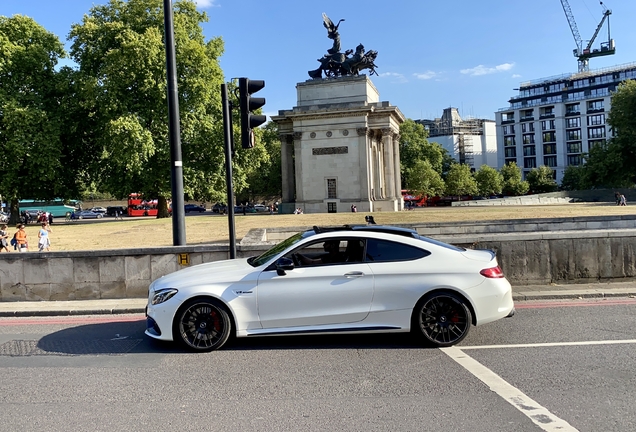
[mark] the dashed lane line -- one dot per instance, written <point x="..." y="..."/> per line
<point x="529" y="407"/>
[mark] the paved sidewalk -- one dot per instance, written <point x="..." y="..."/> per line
<point x="137" y="305"/>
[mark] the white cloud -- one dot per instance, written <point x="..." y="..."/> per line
<point x="397" y="77"/>
<point x="483" y="70"/>
<point x="425" y="75"/>
<point x="516" y="76"/>
<point x="205" y="3"/>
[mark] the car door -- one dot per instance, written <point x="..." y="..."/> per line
<point x="315" y="295"/>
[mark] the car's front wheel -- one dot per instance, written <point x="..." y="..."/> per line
<point x="202" y="325"/>
<point x="443" y="319"/>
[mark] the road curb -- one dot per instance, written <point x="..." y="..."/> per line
<point x="71" y="312"/>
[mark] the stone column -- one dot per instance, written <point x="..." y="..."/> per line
<point x="287" y="167"/>
<point x="396" y="164"/>
<point x="297" y="137"/>
<point x="389" y="163"/>
<point x="366" y="169"/>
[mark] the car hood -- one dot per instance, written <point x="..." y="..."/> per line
<point x="213" y="272"/>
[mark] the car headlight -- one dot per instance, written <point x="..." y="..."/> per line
<point x="163" y="295"/>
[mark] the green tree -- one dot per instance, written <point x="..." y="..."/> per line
<point x="622" y="119"/>
<point x="415" y="147"/>
<point x="573" y="178"/>
<point x="541" y="180"/>
<point x="460" y="181"/>
<point x="30" y="125"/>
<point x="512" y="183"/>
<point x="119" y="48"/>
<point x="489" y="181"/>
<point x="425" y="180"/>
<point x="604" y="167"/>
<point x="266" y="181"/>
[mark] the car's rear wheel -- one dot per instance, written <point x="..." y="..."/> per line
<point x="202" y="325"/>
<point x="443" y="319"/>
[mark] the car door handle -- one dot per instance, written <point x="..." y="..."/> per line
<point x="354" y="274"/>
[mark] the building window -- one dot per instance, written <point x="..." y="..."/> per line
<point x="528" y="139"/>
<point x="549" y="149"/>
<point x="509" y="141"/>
<point x="595" y="143"/>
<point x="508" y="116"/>
<point x="574" y="108"/>
<point x="547" y="125"/>
<point x="332" y="189"/>
<point x="596" y="120"/>
<point x="511" y="152"/>
<point x="529" y="151"/>
<point x="574" y="134"/>
<point x="508" y="161"/>
<point x="549" y="137"/>
<point x="547" y="111"/>
<point x="509" y="130"/>
<point x="332" y="207"/>
<point x="530" y="162"/>
<point x="574" y="147"/>
<point x="596" y="132"/>
<point x="550" y="161"/>
<point x="574" y="122"/>
<point x="596" y="105"/>
<point x="574" y="160"/>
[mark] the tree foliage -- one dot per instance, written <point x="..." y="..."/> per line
<point x="120" y="50"/>
<point x="415" y="149"/>
<point x="489" y="181"/>
<point x="266" y="181"/>
<point x="622" y="119"/>
<point x="424" y="180"/>
<point x="541" y="180"/>
<point x="512" y="183"/>
<point x="30" y="123"/>
<point x="460" y="181"/>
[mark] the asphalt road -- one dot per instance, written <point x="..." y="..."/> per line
<point x="553" y="366"/>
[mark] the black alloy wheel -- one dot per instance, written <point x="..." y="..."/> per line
<point x="443" y="319"/>
<point x="202" y="325"/>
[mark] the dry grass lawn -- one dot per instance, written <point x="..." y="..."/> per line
<point x="211" y="228"/>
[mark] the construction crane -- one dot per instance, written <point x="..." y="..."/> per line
<point x="585" y="53"/>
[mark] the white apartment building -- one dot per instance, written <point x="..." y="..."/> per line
<point x="554" y="121"/>
<point x="471" y="141"/>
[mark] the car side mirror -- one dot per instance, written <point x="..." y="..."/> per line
<point x="284" y="264"/>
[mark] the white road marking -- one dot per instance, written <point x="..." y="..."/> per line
<point x="530" y="408"/>
<point x="551" y="344"/>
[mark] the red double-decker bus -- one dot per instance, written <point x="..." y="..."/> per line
<point x="138" y="206"/>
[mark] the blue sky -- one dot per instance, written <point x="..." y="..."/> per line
<point x="432" y="54"/>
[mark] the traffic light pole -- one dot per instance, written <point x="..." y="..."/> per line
<point x="227" y="137"/>
<point x="174" y="131"/>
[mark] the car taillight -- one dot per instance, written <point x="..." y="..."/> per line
<point x="493" y="272"/>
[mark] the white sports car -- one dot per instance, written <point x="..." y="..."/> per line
<point x="351" y="279"/>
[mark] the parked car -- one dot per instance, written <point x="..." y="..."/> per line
<point x="87" y="214"/>
<point x="110" y="211"/>
<point x="98" y="210"/>
<point x="194" y="208"/>
<point x="219" y="208"/>
<point x="248" y="209"/>
<point x="261" y="208"/>
<point x="351" y="279"/>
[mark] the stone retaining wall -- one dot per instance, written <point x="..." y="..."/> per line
<point x="584" y="250"/>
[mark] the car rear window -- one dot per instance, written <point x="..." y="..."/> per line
<point x="388" y="251"/>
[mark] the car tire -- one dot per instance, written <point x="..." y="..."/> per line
<point x="80" y="217"/>
<point x="442" y="318"/>
<point x="202" y="325"/>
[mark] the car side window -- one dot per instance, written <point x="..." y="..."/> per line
<point x="329" y="252"/>
<point x="388" y="251"/>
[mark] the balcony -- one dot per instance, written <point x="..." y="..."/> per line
<point x="546" y="116"/>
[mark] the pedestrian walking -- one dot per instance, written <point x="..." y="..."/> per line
<point x="44" y="243"/>
<point x="4" y="238"/>
<point x="623" y="200"/>
<point x="21" y="239"/>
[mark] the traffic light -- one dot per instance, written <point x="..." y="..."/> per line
<point x="248" y="104"/>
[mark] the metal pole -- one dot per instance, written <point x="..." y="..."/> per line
<point x="176" y="164"/>
<point x="227" y="137"/>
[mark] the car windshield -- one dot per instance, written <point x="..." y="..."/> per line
<point x="266" y="256"/>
